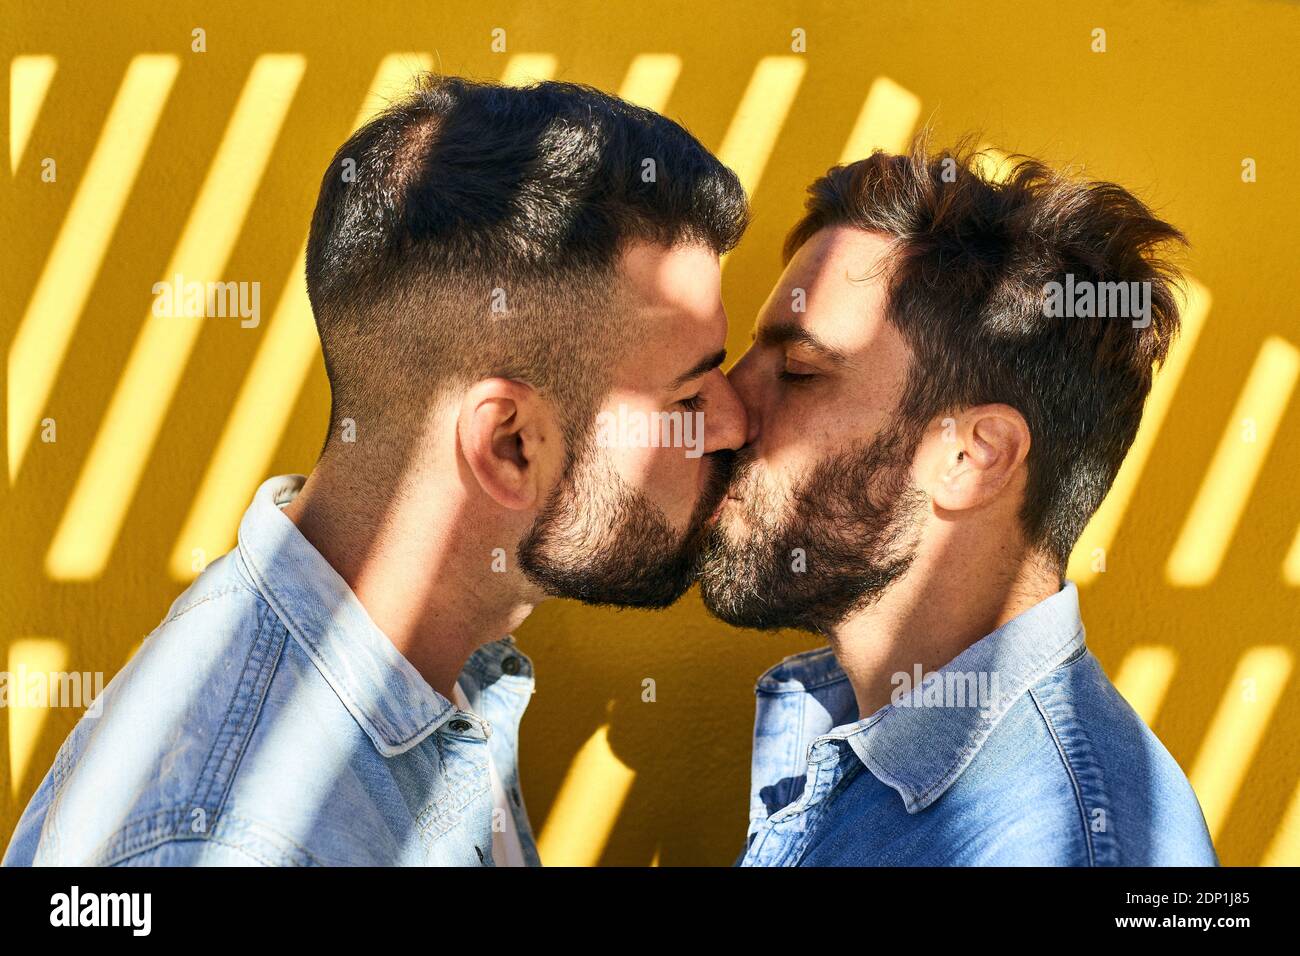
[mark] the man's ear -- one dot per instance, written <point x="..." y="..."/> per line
<point x="969" y="460"/>
<point x="510" y="440"/>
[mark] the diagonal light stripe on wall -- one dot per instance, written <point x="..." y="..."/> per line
<point x="29" y="81"/>
<point x="888" y="116"/>
<point x="48" y="325"/>
<point x="394" y="78"/>
<point x="650" y="80"/>
<point x="1291" y="566"/>
<point x="1236" y="730"/>
<point x="1194" y="308"/>
<point x="586" y="806"/>
<point x="1227" y="486"/>
<point x="30" y="657"/>
<point x="752" y="135"/>
<point x="757" y="122"/>
<point x="284" y="359"/>
<point x="1285" y="848"/>
<point x="526" y="68"/>
<point x="1144" y="679"/>
<point x="93" y="519"/>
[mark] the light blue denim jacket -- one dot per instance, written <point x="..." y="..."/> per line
<point x="267" y="720"/>
<point x="1049" y="766"/>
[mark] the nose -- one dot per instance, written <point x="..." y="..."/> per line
<point x="744" y="380"/>
<point x="725" y="416"/>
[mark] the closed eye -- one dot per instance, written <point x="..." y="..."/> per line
<point x="794" y="378"/>
<point x="692" y="404"/>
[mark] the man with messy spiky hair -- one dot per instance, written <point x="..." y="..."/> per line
<point x="928" y="436"/>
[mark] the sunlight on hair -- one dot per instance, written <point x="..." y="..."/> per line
<point x="993" y="164"/>
<point x="285" y="357"/>
<point x="888" y="116"/>
<point x="1228" y="484"/>
<point x="47" y="327"/>
<point x="586" y="806"/>
<point x="1235" y="732"/>
<point x="1193" y="308"/>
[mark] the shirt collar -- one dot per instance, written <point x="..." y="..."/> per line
<point x="382" y="690"/>
<point x="920" y="750"/>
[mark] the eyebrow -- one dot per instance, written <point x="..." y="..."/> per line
<point x="787" y="333"/>
<point x="707" y="364"/>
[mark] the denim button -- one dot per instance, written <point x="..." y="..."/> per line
<point x="459" y="726"/>
<point x="510" y="665"/>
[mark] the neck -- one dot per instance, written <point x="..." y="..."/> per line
<point x="947" y="601"/>
<point x="419" y="558"/>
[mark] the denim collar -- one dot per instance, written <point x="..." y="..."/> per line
<point x="382" y="690"/>
<point x="916" y="749"/>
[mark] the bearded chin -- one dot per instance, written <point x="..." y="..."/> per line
<point x="842" y="539"/>
<point x="599" y="541"/>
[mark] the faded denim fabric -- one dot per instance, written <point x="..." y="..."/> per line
<point x="267" y="720"/>
<point x="1051" y="767"/>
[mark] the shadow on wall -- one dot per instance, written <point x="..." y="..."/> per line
<point x="134" y="443"/>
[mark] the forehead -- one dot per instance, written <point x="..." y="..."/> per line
<point x="680" y="283"/>
<point x="676" y="295"/>
<point x="841" y="275"/>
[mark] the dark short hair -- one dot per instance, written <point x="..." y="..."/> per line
<point x="462" y="190"/>
<point x="972" y="257"/>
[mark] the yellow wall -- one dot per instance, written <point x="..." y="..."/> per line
<point x="208" y="163"/>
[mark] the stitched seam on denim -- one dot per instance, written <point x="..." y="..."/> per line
<point x="62" y="766"/>
<point x="840" y="785"/>
<point x="802" y="803"/>
<point x="1069" y="770"/>
<point x="966" y="754"/>
<point x="435" y="820"/>
<point x="299" y="634"/>
<point x="826" y="681"/>
<point x="817" y="654"/>
<point x="154" y="828"/>
<point x="241" y="716"/>
<point x="792" y="754"/>
<point x="209" y="596"/>
<point x="802" y="688"/>
<point x="288" y="847"/>
<point x="232" y="846"/>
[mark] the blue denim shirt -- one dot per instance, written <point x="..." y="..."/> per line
<point x="1047" y="765"/>
<point x="267" y="720"/>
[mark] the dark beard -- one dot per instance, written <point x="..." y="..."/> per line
<point x="599" y="541"/>
<point x="853" y="518"/>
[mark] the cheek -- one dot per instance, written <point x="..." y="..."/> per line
<point x="804" y="418"/>
<point x="664" y="476"/>
<point x="812" y="424"/>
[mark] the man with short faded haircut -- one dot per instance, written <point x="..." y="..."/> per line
<point x="494" y="273"/>
<point x="931" y="425"/>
